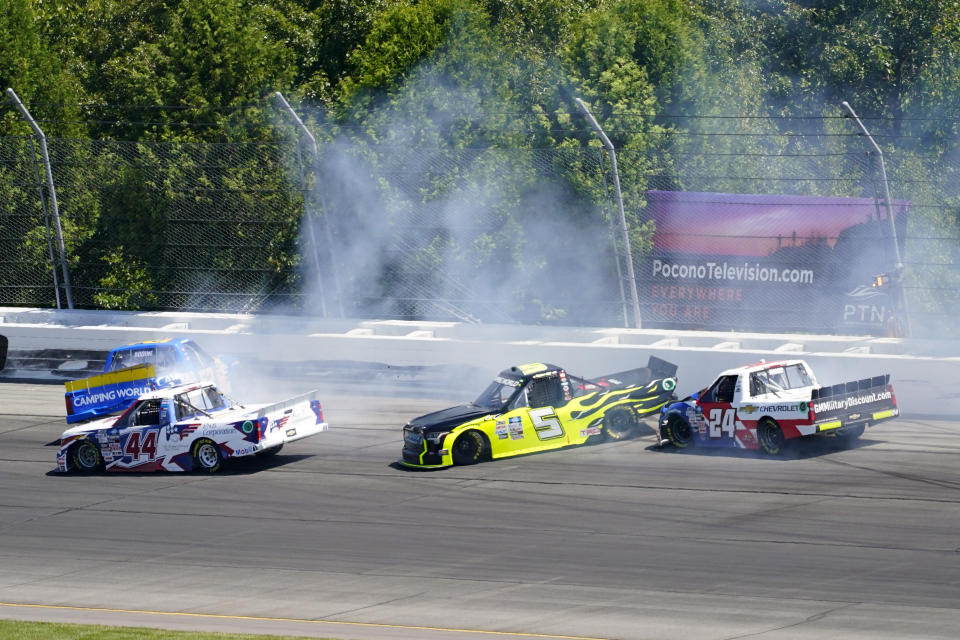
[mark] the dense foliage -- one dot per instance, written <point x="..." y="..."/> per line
<point x="451" y="75"/>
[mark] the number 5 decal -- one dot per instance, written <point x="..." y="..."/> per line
<point x="546" y="424"/>
<point x="723" y="422"/>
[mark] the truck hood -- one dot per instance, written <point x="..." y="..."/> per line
<point x="90" y="427"/>
<point x="449" y="418"/>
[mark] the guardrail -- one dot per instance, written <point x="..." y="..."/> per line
<point x="924" y="373"/>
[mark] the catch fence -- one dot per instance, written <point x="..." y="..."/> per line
<point x="492" y="235"/>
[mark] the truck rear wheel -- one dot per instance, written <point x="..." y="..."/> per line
<point x="851" y="435"/>
<point x="770" y="436"/>
<point x="207" y="456"/>
<point x="619" y="424"/>
<point x="271" y="451"/>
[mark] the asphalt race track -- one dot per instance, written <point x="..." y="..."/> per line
<point x="619" y="540"/>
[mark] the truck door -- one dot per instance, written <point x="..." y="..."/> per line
<point x="544" y="395"/>
<point x="140" y="433"/>
<point x="719" y="416"/>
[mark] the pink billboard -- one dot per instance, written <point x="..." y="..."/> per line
<point x="766" y="262"/>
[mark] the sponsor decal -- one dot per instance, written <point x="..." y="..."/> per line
<point x="177" y="432"/>
<point x="749" y="408"/>
<point x="516" y="428"/>
<point x="565" y="385"/>
<point x="840" y="404"/>
<point x="590" y="431"/>
<point x="247" y="427"/>
<point x="853" y="416"/>
<point x="291" y="433"/>
<point x="782" y="408"/>
<point x="111" y="395"/>
<point x="501" y="430"/>
<point x="278" y="424"/>
<point x="507" y="382"/>
<point x="220" y="432"/>
<point x="669" y="384"/>
<point x="737" y="272"/>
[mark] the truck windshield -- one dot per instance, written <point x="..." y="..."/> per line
<point x="202" y="400"/>
<point x="163" y="357"/>
<point x="498" y="394"/>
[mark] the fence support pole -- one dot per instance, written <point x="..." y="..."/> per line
<point x="314" y="150"/>
<point x="46" y="222"/>
<point x="889" y="206"/>
<point x="624" y="235"/>
<point x="51" y="190"/>
<point x="616" y="246"/>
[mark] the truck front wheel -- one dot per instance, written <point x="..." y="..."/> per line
<point x="468" y="448"/>
<point x="86" y="457"/>
<point x="770" y="436"/>
<point x="679" y="432"/>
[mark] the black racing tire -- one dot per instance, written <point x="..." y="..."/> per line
<point x="770" y="436"/>
<point x="468" y="448"/>
<point x="679" y="432"/>
<point x="206" y="456"/>
<point x="272" y="451"/>
<point x="851" y="435"/>
<point x="619" y="424"/>
<point x="86" y="457"/>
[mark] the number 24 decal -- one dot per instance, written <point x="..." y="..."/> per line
<point x="723" y="422"/>
<point x="546" y="424"/>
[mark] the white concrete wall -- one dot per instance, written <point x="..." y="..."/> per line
<point x="925" y="374"/>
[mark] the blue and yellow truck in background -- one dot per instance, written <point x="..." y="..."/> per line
<point x="135" y="369"/>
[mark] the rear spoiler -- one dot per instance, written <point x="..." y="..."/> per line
<point x="855" y="386"/>
<point x="278" y="408"/>
<point x="865" y="401"/>
<point x="656" y="369"/>
<point x="107" y="393"/>
<point x="292" y="419"/>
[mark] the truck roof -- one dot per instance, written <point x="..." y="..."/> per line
<point x="152" y="343"/>
<point x="525" y="371"/>
<point x="760" y="366"/>
<point x="169" y="392"/>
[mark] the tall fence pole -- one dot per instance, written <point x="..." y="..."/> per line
<point x="616" y="244"/>
<point x="624" y="235"/>
<point x="50" y="190"/>
<point x="889" y="207"/>
<point x="314" y="150"/>
<point x="46" y="222"/>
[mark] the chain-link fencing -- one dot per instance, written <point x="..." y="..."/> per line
<point x="491" y="235"/>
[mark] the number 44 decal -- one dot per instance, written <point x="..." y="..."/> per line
<point x="723" y="422"/>
<point x="136" y="448"/>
